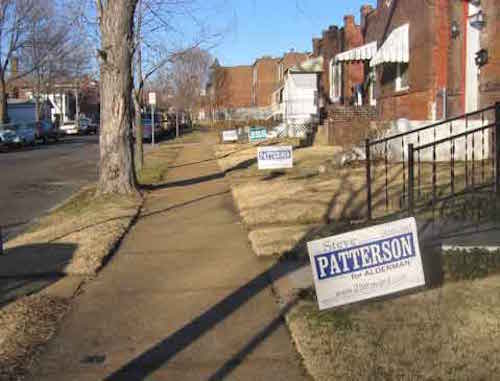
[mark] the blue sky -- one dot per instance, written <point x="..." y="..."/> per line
<point x="272" y="27"/>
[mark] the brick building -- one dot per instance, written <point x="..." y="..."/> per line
<point x="264" y="80"/>
<point x="328" y="46"/>
<point x="246" y="92"/>
<point x="228" y="89"/>
<point x="417" y="59"/>
<point x="289" y="60"/>
<point x="339" y="77"/>
<point x="469" y="88"/>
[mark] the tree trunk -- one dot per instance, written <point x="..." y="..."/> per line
<point x="116" y="167"/>
<point x="4" y="116"/>
<point x="139" y="149"/>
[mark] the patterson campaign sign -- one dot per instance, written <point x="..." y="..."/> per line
<point x="367" y="263"/>
<point x="275" y="157"/>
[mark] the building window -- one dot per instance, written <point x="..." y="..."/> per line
<point x="335" y="81"/>
<point x="402" y="82"/>
<point x="373" y="83"/>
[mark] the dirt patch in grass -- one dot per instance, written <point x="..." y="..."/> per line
<point x="25" y="326"/>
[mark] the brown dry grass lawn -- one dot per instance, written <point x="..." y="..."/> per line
<point x="449" y="333"/>
<point x="319" y="191"/>
<point x="24" y="327"/>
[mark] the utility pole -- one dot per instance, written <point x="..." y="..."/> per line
<point x="176" y="123"/>
<point x="153" y="124"/>
<point x="152" y="103"/>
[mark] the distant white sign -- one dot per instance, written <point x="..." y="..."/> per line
<point x="367" y="263"/>
<point x="230" y="136"/>
<point x="275" y="157"/>
<point x="152" y="98"/>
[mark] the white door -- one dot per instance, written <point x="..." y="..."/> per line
<point x="472" y="70"/>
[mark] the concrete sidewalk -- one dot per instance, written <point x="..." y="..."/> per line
<point x="184" y="298"/>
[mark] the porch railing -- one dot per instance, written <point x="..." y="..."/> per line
<point x="470" y="140"/>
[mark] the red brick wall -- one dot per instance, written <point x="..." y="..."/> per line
<point x="234" y="87"/>
<point x="293" y="58"/>
<point x="267" y="78"/>
<point x="489" y="80"/>
<point x="416" y="103"/>
<point x="328" y="46"/>
<point x="348" y="126"/>
<point x="353" y="71"/>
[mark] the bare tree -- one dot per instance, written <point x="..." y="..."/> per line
<point x="15" y="17"/>
<point x="51" y="48"/>
<point x="189" y="76"/>
<point x="160" y="41"/>
<point x="116" y="23"/>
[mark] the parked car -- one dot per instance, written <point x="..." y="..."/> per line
<point x="147" y="130"/>
<point x="46" y="130"/>
<point x="87" y="126"/>
<point x="69" y="128"/>
<point x="6" y="138"/>
<point x="25" y="133"/>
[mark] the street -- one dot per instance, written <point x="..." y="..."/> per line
<point x="35" y="179"/>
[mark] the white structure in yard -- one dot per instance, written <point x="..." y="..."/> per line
<point x="296" y="102"/>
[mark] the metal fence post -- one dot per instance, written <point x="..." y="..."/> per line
<point x="1" y="241"/>
<point x="368" y="180"/>
<point x="411" y="180"/>
<point x="497" y="149"/>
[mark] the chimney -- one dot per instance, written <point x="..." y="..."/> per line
<point x="14" y="66"/>
<point x="349" y="21"/>
<point x="316" y="46"/>
<point x="365" y="10"/>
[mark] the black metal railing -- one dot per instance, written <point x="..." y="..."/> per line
<point x="397" y="166"/>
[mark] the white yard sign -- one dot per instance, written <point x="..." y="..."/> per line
<point x="367" y="263"/>
<point x="230" y="136"/>
<point x="275" y="157"/>
<point x="152" y="99"/>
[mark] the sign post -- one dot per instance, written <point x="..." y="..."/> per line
<point x="152" y="103"/>
<point x="366" y="264"/>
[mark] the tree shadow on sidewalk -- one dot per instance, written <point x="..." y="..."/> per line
<point x="28" y="269"/>
<point x="197" y="180"/>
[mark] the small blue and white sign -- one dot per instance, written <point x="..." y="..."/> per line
<point x="275" y="157"/>
<point x="366" y="263"/>
<point x="257" y="134"/>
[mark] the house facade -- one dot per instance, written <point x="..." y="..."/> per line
<point x="247" y="92"/>
<point x="299" y="98"/>
<point x="418" y="59"/>
<point x="264" y="79"/>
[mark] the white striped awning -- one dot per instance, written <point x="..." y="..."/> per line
<point x="396" y="47"/>
<point x="361" y="53"/>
